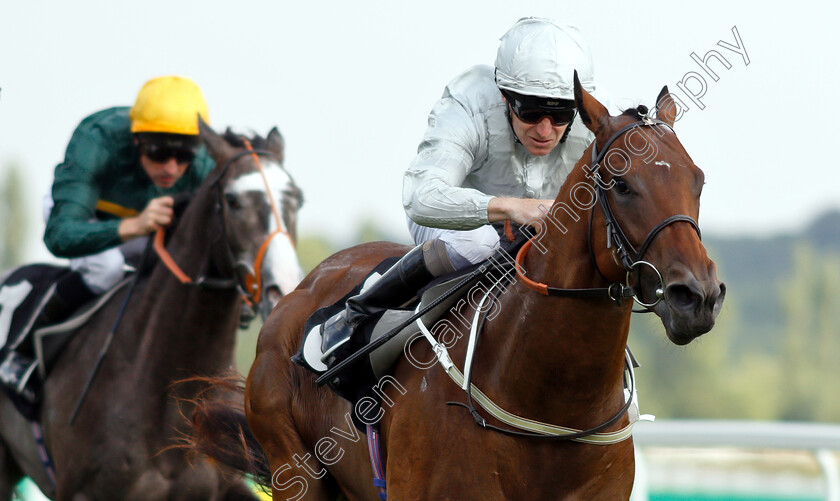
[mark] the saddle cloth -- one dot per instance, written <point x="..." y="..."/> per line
<point x="23" y="293"/>
<point x="361" y="379"/>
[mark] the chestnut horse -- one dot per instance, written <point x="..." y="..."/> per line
<point x="120" y="445"/>
<point x="557" y="359"/>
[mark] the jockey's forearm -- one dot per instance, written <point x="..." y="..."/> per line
<point x="518" y="210"/>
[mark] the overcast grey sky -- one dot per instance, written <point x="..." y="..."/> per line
<point x="350" y="85"/>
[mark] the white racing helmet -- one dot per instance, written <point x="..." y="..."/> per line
<point x="538" y="57"/>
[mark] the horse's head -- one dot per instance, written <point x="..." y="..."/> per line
<point x="648" y="192"/>
<point x="259" y="204"/>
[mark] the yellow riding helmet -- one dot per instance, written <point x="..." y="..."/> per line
<point x="169" y="104"/>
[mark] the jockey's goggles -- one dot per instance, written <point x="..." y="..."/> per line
<point x="161" y="155"/>
<point x="532" y="109"/>
<point x="161" y="147"/>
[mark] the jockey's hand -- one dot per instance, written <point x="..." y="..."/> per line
<point x="518" y="210"/>
<point x="157" y="214"/>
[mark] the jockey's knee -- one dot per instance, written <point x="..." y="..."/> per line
<point x="437" y="258"/>
<point x="100" y="272"/>
<point x="463" y="247"/>
<point x="466" y="248"/>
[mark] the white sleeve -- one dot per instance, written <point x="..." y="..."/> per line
<point x="432" y="185"/>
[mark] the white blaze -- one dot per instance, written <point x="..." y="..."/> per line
<point x="280" y="264"/>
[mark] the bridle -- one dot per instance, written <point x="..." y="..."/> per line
<point x="250" y="287"/>
<point x="246" y="277"/>
<point x="629" y="258"/>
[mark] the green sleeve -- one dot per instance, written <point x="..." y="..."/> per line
<point x="71" y="229"/>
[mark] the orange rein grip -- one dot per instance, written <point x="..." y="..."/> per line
<point x="170" y="263"/>
<point x="509" y="231"/>
<point x="249" y="281"/>
<point x="253" y="282"/>
<point x="520" y="259"/>
<point x="166" y="258"/>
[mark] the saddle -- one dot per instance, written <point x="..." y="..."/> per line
<point x="364" y="378"/>
<point x="23" y="293"/>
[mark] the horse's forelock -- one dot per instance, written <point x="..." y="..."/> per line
<point x="636" y="112"/>
<point x="238" y="140"/>
<point x="234" y="139"/>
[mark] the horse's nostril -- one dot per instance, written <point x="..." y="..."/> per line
<point x="682" y="296"/>
<point x="274" y="295"/>
<point x="716" y="301"/>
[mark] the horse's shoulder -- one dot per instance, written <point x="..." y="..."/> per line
<point x="371" y="253"/>
<point x="329" y="282"/>
<point x="352" y="263"/>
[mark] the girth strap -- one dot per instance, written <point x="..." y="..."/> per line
<point x="532" y="428"/>
<point x="535" y="428"/>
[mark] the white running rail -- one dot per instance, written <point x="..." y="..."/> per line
<point x="818" y="438"/>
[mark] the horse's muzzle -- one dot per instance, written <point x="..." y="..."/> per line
<point x="271" y="296"/>
<point x="690" y="307"/>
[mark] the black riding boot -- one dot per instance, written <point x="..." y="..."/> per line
<point x="18" y="366"/>
<point x="398" y="286"/>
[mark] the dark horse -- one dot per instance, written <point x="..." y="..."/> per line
<point x="555" y="359"/>
<point x="120" y="445"/>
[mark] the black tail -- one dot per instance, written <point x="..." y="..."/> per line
<point x="220" y="430"/>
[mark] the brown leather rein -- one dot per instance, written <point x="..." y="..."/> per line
<point x="615" y="237"/>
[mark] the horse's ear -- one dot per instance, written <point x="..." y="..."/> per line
<point x="216" y="144"/>
<point x="666" y="107"/>
<point x="594" y="115"/>
<point x="275" y="142"/>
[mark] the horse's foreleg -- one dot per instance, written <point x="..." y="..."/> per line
<point x="10" y="473"/>
<point x="296" y="474"/>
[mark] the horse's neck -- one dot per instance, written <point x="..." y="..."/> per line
<point x="550" y="352"/>
<point x="188" y="329"/>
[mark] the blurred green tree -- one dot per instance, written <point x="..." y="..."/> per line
<point x="690" y="381"/>
<point x="809" y="363"/>
<point x="13" y="214"/>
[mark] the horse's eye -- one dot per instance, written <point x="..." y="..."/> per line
<point x="621" y="187"/>
<point x="232" y="201"/>
<point x="294" y="198"/>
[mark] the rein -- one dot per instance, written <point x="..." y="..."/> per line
<point x="616" y="238"/>
<point x="251" y="285"/>
<point x="615" y="291"/>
